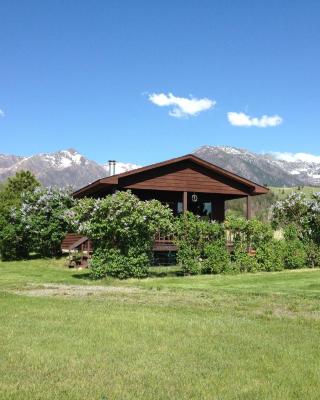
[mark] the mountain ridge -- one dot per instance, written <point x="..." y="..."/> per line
<point x="70" y="168"/>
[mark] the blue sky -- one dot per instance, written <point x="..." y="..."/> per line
<point x="81" y="74"/>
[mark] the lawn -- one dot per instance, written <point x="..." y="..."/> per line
<point x="62" y="336"/>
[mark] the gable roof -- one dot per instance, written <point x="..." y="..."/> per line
<point x="113" y="180"/>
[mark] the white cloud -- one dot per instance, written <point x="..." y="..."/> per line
<point x="242" y="119"/>
<point x="181" y="106"/>
<point x="2" y="114"/>
<point x="294" y="157"/>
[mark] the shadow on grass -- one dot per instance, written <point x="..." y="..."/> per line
<point x="164" y="271"/>
<point x="82" y="276"/>
<point x="154" y="272"/>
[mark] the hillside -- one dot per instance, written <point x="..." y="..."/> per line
<point x="268" y="169"/>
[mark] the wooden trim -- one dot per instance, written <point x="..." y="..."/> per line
<point x="185" y="201"/>
<point x="249" y="207"/>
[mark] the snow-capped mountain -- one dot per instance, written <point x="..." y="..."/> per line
<point x="273" y="169"/>
<point x="304" y="166"/>
<point x="69" y="168"/>
<point x="63" y="168"/>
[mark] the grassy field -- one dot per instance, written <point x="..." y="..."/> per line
<point x="63" y="336"/>
<point x="286" y="191"/>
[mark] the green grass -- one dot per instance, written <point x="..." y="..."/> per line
<point x="205" y="337"/>
<point x="286" y="191"/>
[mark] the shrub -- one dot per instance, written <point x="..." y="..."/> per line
<point x="302" y="213"/>
<point x="43" y="215"/>
<point x="115" y="264"/>
<point x="14" y="243"/>
<point x="192" y="235"/>
<point x="98" y="264"/>
<point x="217" y="258"/>
<point x="270" y="256"/>
<point x="236" y="229"/>
<point x="243" y="261"/>
<point x="14" y="236"/>
<point x="188" y="257"/>
<point x="248" y="233"/>
<point x="313" y="254"/>
<point x="295" y="255"/>
<point x="258" y="233"/>
<point x="122" y="229"/>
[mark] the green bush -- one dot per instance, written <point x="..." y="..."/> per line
<point x="188" y="257"/>
<point x="122" y="229"/>
<point x="15" y="240"/>
<point x="313" y="254"/>
<point x="14" y="244"/>
<point x="217" y="258"/>
<point x="295" y="255"/>
<point x="270" y="256"/>
<point x="258" y="233"/>
<point x="243" y="261"/>
<point x="192" y="235"/>
<point x="113" y="263"/>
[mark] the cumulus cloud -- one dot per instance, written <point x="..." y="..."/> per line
<point x="294" y="157"/>
<point x="2" y="114"/>
<point x="242" y="119"/>
<point x="181" y="106"/>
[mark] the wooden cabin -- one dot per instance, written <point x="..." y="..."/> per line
<point x="184" y="183"/>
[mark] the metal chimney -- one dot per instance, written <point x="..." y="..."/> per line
<point x="112" y="167"/>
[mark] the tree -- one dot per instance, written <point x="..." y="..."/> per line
<point x="14" y="187"/>
<point x="14" y="240"/>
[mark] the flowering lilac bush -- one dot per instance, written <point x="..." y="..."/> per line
<point x="37" y="225"/>
<point x="43" y="215"/>
<point x="300" y="215"/>
<point x="122" y="229"/>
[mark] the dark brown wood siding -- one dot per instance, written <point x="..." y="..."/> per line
<point x="183" y="177"/>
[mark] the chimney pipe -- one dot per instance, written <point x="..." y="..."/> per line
<point x="112" y="167"/>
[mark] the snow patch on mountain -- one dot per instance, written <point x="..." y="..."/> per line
<point x="62" y="168"/>
<point x="296" y="157"/>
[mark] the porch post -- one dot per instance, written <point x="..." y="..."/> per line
<point x="185" y="201"/>
<point x="218" y="210"/>
<point x="248" y="207"/>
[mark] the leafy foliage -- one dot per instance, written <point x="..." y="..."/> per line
<point x="270" y="255"/>
<point x="31" y="218"/>
<point x="192" y="235"/>
<point x="122" y="229"/>
<point x="217" y="258"/>
<point x="14" y="239"/>
<point x="295" y="255"/>
<point x="42" y="214"/>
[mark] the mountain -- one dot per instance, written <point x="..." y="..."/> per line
<point x="273" y="169"/>
<point x="69" y="168"/>
<point x="63" y="168"/>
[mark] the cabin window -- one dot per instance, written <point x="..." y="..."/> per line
<point x="179" y="207"/>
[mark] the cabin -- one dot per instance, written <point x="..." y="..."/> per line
<point x="186" y="183"/>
